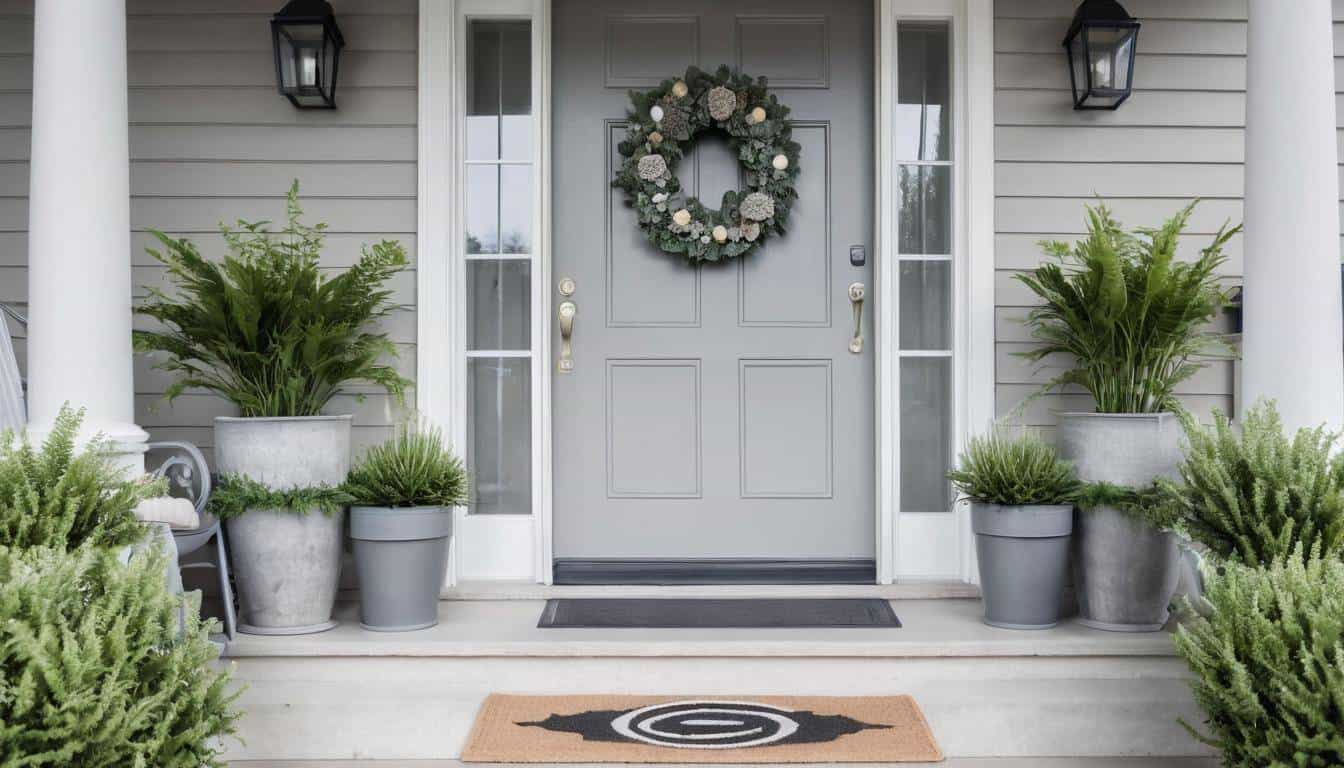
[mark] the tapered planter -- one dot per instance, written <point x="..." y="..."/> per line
<point x="1023" y="554"/>
<point x="1125" y="570"/>
<point x="401" y="554"/>
<point x="287" y="565"/>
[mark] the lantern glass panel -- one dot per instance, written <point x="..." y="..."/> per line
<point x="1108" y="57"/>
<point x="307" y="54"/>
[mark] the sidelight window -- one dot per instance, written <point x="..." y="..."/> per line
<point x="499" y="154"/>
<point x="924" y="165"/>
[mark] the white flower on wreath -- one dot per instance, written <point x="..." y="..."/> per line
<point x="682" y="218"/>
<point x="720" y="233"/>
<point x="757" y="206"/>
<point x="652" y="167"/>
<point x="734" y="234"/>
<point x="780" y="161"/>
<point x="751" y="230"/>
<point x="704" y="239"/>
<point x="660" y="197"/>
<point x="679" y="89"/>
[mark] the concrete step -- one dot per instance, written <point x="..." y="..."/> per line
<point x="1070" y="692"/>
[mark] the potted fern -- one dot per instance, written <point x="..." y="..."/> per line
<point x="404" y="492"/>
<point x="1131" y="320"/>
<point x="1021" y="497"/>
<point x="268" y="330"/>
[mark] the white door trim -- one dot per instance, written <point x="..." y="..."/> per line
<point x="519" y="548"/>
<point x="937" y="546"/>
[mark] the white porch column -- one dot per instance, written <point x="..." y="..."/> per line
<point x="1292" y="348"/>
<point x="79" y="222"/>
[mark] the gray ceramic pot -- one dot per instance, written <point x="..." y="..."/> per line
<point x="1125" y="571"/>
<point x="1023" y="553"/>
<point x="401" y="554"/>
<point x="287" y="566"/>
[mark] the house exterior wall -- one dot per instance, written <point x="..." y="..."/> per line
<point x="212" y="141"/>
<point x="1179" y="136"/>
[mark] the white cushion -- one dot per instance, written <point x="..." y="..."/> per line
<point x="178" y="514"/>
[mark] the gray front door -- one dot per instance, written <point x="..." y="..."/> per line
<point x="714" y="415"/>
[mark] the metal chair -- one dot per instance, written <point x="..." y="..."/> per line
<point x="188" y="477"/>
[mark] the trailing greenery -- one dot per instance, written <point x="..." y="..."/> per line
<point x="414" y="468"/>
<point x="266" y="328"/>
<point x="1268" y="661"/>
<point x="57" y="497"/>
<point x="1146" y="504"/>
<point x="1128" y="315"/>
<point x="100" y="667"/>
<point x="1000" y="468"/>
<point x="237" y="494"/>
<point x="1256" y="495"/>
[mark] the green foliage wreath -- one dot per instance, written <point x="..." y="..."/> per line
<point x="664" y="123"/>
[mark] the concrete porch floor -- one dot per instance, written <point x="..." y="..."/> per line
<point x="932" y="628"/>
<point x="1058" y="698"/>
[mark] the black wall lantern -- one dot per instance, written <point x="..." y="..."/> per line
<point x="1100" y="45"/>
<point x="307" y="53"/>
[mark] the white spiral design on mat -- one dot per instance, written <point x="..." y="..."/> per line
<point x="707" y="724"/>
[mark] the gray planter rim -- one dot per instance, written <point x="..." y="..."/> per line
<point x="1022" y="521"/>
<point x="369" y="523"/>
<point x="1100" y="415"/>
<point x="255" y="419"/>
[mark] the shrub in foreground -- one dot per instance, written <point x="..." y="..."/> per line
<point x="101" y="668"/>
<point x="1254" y="494"/>
<point x="55" y="497"/>
<point x="1268" y="661"/>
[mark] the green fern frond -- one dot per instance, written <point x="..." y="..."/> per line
<point x="266" y="328"/>
<point x="1131" y="318"/>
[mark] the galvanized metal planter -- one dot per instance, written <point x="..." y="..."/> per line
<point x="401" y="554"/>
<point x="1023" y="554"/>
<point x="288" y="566"/>
<point x="1125" y="571"/>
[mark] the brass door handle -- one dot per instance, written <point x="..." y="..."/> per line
<point x="566" y="314"/>
<point x="856" y="294"/>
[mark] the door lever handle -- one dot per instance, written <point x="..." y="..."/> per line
<point x="566" y="314"/>
<point x="856" y="294"/>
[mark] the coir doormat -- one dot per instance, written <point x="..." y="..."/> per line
<point x="719" y="729"/>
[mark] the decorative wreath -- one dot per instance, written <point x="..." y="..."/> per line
<point x="663" y="125"/>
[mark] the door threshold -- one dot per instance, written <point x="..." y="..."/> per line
<point x="680" y="572"/>
<point x="527" y="590"/>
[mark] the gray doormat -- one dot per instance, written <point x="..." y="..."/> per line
<point x="767" y="613"/>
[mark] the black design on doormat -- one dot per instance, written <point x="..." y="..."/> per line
<point x="706" y="725"/>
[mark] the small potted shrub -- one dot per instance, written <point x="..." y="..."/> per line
<point x="1021" y="497"/>
<point x="269" y="330"/>
<point x="403" y="494"/>
<point x="1131" y="322"/>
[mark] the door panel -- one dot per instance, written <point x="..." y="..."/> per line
<point x="714" y="412"/>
